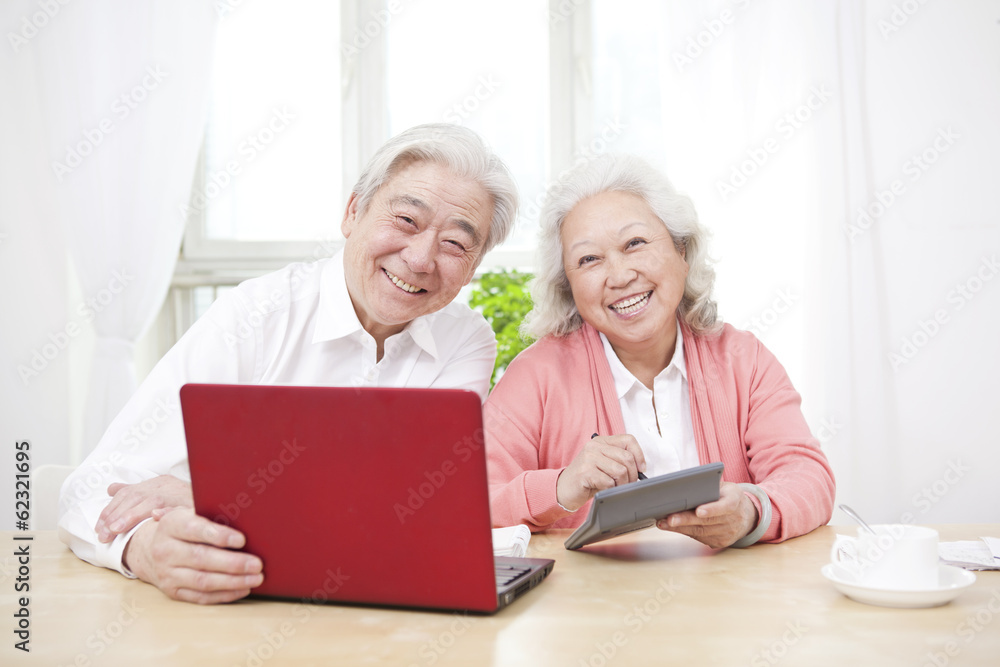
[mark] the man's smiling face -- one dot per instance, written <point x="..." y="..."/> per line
<point x="415" y="246"/>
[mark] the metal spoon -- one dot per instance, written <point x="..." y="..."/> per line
<point x="854" y="515"/>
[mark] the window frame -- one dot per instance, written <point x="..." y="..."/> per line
<point x="364" y="125"/>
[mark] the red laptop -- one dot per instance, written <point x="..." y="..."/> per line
<point x="356" y="495"/>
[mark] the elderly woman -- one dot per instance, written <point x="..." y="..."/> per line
<point x="631" y="350"/>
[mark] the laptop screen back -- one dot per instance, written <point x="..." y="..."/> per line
<point x="366" y="495"/>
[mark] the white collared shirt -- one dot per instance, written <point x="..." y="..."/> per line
<point x="296" y="326"/>
<point x="663" y="429"/>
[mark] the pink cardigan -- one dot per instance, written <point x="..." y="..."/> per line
<point x="744" y="411"/>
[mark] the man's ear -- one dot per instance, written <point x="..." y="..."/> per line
<point x="350" y="215"/>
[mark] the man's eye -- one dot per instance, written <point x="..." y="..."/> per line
<point x="456" y="245"/>
<point x="408" y="220"/>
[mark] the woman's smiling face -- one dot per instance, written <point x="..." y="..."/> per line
<point x="626" y="274"/>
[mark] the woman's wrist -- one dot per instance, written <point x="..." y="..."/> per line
<point x="559" y="499"/>
<point x="764" y="521"/>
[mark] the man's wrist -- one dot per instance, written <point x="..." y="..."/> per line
<point x="132" y="568"/>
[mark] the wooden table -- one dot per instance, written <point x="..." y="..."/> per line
<point x="649" y="598"/>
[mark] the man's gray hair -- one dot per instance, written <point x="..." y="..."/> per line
<point x="554" y="311"/>
<point x="456" y="147"/>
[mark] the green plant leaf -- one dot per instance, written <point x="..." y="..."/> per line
<point x="503" y="299"/>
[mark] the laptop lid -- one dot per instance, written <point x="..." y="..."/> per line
<point x="362" y="495"/>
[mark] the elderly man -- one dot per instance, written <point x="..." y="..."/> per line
<point x="432" y="201"/>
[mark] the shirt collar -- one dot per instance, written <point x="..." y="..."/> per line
<point x="337" y="319"/>
<point x="625" y="381"/>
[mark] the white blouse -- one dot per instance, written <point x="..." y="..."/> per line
<point x="659" y="419"/>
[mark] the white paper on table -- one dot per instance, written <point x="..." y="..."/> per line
<point x="511" y="541"/>
<point x="994" y="544"/>
<point x="970" y="554"/>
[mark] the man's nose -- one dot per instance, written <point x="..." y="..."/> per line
<point x="420" y="252"/>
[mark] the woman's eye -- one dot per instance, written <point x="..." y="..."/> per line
<point x="635" y="242"/>
<point x="586" y="259"/>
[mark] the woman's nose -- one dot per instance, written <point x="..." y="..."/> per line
<point x="620" y="271"/>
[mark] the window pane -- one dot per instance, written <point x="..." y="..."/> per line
<point x="272" y="151"/>
<point x="484" y="66"/>
<point x="626" y="40"/>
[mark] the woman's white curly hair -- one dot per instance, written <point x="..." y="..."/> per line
<point x="554" y="311"/>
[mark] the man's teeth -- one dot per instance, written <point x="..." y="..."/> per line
<point x="402" y="284"/>
<point x="631" y="305"/>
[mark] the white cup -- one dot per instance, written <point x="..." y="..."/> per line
<point x="897" y="557"/>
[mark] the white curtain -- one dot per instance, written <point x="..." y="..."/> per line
<point x="844" y="155"/>
<point x="901" y="351"/>
<point x="124" y="91"/>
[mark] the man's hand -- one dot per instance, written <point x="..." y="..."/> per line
<point x="132" y="503"/>
<point x="717" y="524"/>
<point x="190" y="558"/>
<point x="603" y="462"/>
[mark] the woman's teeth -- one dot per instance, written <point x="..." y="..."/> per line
<point x="631" y="305"/>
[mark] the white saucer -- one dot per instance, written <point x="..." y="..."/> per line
<point x="953" y="580"/>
